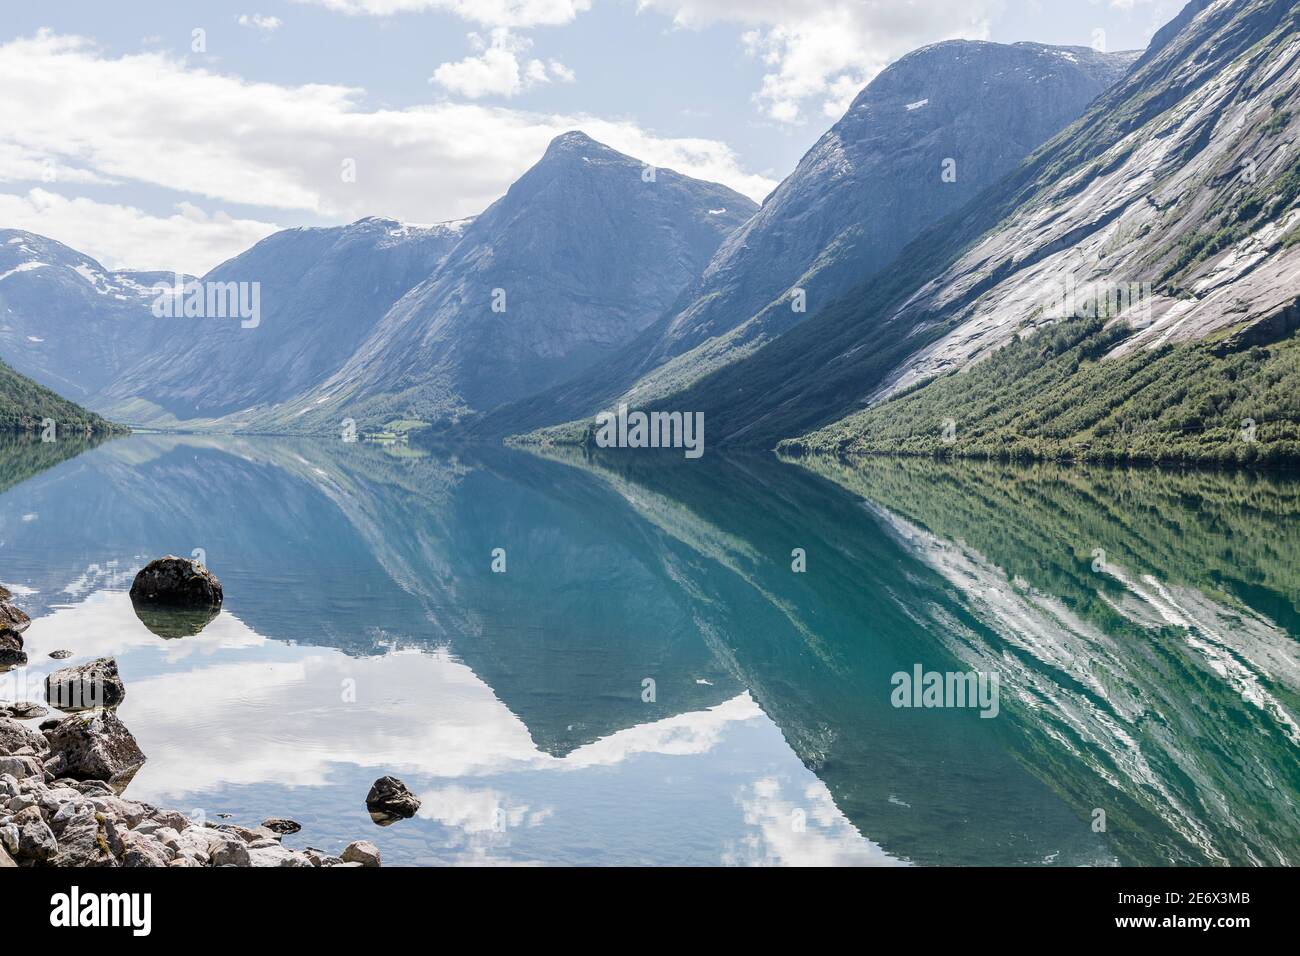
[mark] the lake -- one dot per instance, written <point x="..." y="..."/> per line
<point x="627" y="657"/>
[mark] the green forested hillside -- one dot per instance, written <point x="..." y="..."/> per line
<point x="24" y="404"/>
<point x="1051" y="396"/>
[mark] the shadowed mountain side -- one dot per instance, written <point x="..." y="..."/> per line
<point x="920" y="141"/>
<point x="1181" y="175"/>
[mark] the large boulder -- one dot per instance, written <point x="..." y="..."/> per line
<point x="11" y="648"/>
<point x="17" y="739"/>
<point x="176" y="582"/>
<point x="12" y="616"/>
<point x="85" y="686"/>
<point x="95" y="746"/>
<point x="390" y="800"/>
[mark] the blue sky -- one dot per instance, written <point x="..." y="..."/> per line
<point x="135" y="139"/>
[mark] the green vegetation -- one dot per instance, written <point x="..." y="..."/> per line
<point x="24" y="405"/>
<point x="1052" y="396"/>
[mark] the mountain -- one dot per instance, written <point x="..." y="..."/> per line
<point x="869" y="185"/>
<point x="24" y="405"/>
<point x="1184" y="175"/>
<point x="321" y="292"/>
<point x="583" y="252"/>
<point x="65" y="320"/>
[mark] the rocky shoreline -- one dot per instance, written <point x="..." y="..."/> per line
<point x="62" y="782"/>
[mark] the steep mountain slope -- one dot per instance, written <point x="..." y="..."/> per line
<point x="65" y="320"/>
<point x="1184" y="175"/>
<point x="321" y="292"/>
<point x="24" y="405"/>
<point x="583" y="252"/>
<point x="868" y="186"/>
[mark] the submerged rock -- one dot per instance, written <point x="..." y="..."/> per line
<point x="178" y="582"/>
<point x="95" y="747"/>
<point x="171" y="622"/>
<point x="282" y="826"/>
<point x="85" y="686"/>
<point x="390" y="800"/>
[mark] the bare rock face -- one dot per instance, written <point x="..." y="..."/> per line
<point x="11" y="648"/>
<point x="96" y="747"/>
<point x="176" y="582"/>
<point x="85" y="686"/>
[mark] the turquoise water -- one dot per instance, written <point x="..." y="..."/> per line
<point x="649" y="680"/>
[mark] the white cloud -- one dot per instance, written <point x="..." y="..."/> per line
<point x="807" y="831"/>
<point x="151" y="118"/>
<point x="824" y="51"/>
<point x="123" y="237"/>
<point x="499" y="69"/>
<point x="492" y="13"/>
<point x="256" y="21"/>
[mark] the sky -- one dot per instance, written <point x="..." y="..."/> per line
<point x="174" y="135"/>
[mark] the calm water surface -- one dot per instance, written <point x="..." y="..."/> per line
<point x="1143" y="626"/>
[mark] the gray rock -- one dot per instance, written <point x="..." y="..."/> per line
<point x="11" y="648"/>
<point x="6" y="861"/>
<point x="60" y="655"/>
<point x="21" y="767"/>
<point x="126" y="811"/>
<point x="230" y="852"/>
<point x="361" y="852"/>
<point x="97" y="746"/>
<point x="84" y="842"/>
<point x="13" y="617"/>
<point x="177" y="582"/>
<point x="14" y="737"/>
<point x="390" y="799"/>
<point x="172" y="819"/>
<point x="23" y="710"/>
<point x="86" y="686"/>
<point x="29" y="839"/>
<point x="143" y="851"/>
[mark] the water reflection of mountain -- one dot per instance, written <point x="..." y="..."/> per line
<point x="1146" y="622"/>
<point x="353" y="547"/>
<point x="1162" y="691"/>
